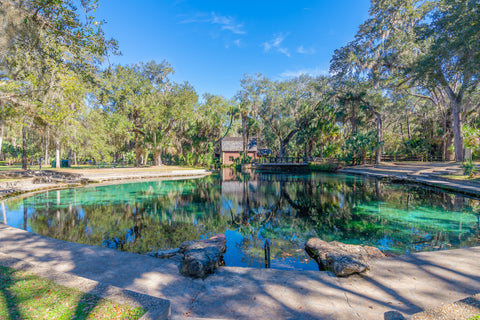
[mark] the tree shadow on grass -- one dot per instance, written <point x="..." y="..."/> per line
<point x="5" y="283"/>
<point x="85" y="306"/>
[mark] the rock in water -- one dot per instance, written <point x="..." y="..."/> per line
<point x="342" y="259"/>
<point x="201" y="258"/>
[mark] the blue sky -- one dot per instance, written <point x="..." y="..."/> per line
<point x="212" y="44"/>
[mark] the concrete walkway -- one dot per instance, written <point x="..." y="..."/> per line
<point x="431" y="174"/>
<point x="407" y="284"/>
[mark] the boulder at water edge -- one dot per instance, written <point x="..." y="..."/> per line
<point x="342" y="259"/>
<point x="201" y="258"/>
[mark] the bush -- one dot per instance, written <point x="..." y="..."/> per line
<point x="469" y="168"/>
<point x="325" y="167"/>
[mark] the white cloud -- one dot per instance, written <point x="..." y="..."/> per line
<point x="276" y="44"/>
<point x="306" y="71"/>
<point x="303" y="50"/>
<point x="225" y="22"/>
<point x="236" y="43"/>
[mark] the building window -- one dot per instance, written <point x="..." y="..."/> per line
<point x="231" y="158"/>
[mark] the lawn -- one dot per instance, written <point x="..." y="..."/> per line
<point x="26" y="296"/>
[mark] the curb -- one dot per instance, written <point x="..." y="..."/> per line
<point x="157" y="308"/>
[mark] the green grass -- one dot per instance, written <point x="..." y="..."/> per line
<point x="477" y="317"/>
<point x="26" y="296"/>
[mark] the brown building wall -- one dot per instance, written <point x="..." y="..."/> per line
<point x="228" y="157"/>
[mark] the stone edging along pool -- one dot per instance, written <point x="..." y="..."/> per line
<point x="423" y="177"/>
<point x="28" y="186"/>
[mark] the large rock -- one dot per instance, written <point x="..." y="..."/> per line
<point x="340" y="258"/>
<point x="201" y="258"/>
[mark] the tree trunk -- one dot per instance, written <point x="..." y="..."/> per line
<point x="282" y="149"/>
<point x="457" y="131"/>
<point x="75" y="158"/>
<point x="57" y="153"/>
<point x="47" y="160"/>
<point x="157" y="153"/>
<point x="456" y="100"/>
<point x="284" y="142"/>
<point x="444" y="140"/>
<point x="137" y="151"/>
<point x="24" y="148"/>
<point x="14" y="143"/>
<point x="157" y="158"/>
<point x="409" y="134"/>
<point x="1" y="137"/>
<point x="378" y="154"/>
<point x="69" y="157"/>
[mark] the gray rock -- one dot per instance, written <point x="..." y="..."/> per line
<point x="342" y="259"/>
<point x="345" y="265"/>
<point x="201" y="258"/>
<point x="164" y="254"/>
<point x="199" y="263"/>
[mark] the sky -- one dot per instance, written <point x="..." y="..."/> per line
<point x="213" y="44"/>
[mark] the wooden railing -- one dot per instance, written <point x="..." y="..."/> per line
<point x="285" y="160"/>
<point x="410" y="158"/>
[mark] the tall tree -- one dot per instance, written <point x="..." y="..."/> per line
<point x="428" y="44"/>
<point x="39" y="38"/>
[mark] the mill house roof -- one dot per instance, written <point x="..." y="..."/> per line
<point x="235" y="144"/>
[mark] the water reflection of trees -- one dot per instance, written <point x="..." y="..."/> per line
<point x="291" y="208"/>
<point x="287" y="209"/>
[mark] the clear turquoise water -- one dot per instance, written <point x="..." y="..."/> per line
<point x="287" y="209"/>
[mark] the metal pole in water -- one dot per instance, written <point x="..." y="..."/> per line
<point x="267" y="253"/>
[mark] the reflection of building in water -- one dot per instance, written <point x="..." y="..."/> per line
<point x="238" y="184"/>
<point x="230" y="174"/>
<point x="237" y="188"/>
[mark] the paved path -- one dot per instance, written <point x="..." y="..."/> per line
<point x="431" y="175"/>
<point x="407" y="284"/>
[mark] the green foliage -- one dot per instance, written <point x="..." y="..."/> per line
<point x="325" y="167"/>
<point x="469" y="168"/>
<point x="415" y="147"/>
<point x="471" y="136"/>
<point x="358" y="146"/>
